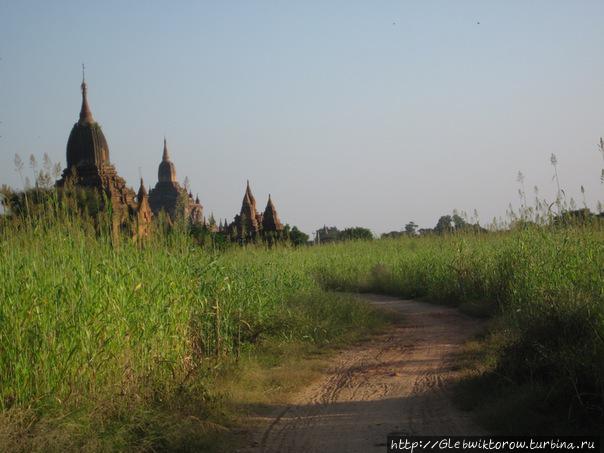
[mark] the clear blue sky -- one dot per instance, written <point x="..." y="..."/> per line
<point x="348" y="113"/>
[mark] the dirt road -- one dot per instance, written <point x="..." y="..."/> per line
<point x="394" y="383"/>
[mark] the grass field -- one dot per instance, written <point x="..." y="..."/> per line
<point x="105" y="346"/>
<point x="541" y="368"/>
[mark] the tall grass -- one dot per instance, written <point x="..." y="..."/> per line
<point x="94" y="332"/>
<point x="98" y="335"/>
<point x="545" y="284"/>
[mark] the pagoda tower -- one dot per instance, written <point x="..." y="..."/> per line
<point x="249" y="222"/>
<point x="88" y="164"/>
<point x="169" y="196"/>
<point x="270" y="219"/>
<point x="167" y="192"/>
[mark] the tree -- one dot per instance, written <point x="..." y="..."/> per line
<point x="392" y="235"/>
<point x="458" y="222"/>
<point x="411" y="228"/>
<point x="356" y="233"/>
<point x="297" y="237"/>
<point x="444" y="225"/>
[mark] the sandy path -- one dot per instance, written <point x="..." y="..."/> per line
<point x="391" y="384"/>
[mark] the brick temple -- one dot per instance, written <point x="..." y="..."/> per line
<point x="172" y="198"/>
<point x="88" y="167"/>
<point x="251" y="224"/>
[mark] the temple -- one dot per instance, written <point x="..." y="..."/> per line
<point x="249" y="220"/>
<point x="270" y="219"/>
<point x="89" y="169"/>
<point x="169" y="196"/>
<point x="88" y="165"/>
<point x="249" y="224"/>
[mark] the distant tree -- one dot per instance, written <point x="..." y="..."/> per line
<point x="458" y="222"/>
<point x="356" y="233"/>
<point x="444" y="225"/>
<point x="411" y="228"/>
<point x="450" y="224"/>
<point x="297" y="237"/>
<point x="392" y="235"/>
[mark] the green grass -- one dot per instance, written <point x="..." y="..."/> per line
<point x="116" y="346"/>
<point x="545" y="286"/>
<point x="105" y="346"/>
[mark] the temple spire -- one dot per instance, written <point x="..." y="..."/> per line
<point x="142" y="191"/>
<point x="166" y="171"/>
<point x="270" y="218"/>
<point x="248" y="193"/>
<point x="166" y="155"/>
<point x="269" y="203"/>
<point x="85" y="113"/>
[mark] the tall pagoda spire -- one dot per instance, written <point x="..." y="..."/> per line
<point x="166" y="155"/>
<point x="250" y="196"/>
<point x="167" y="195"/>
<point x="85" y="113"/>
<point x="167" y="170"/>
<point x="88" y="167"/>
<point x="248" y="212"/>
<point x="270" y="219"/>
<point x="86" y="145"/>
<point x="142" y="191"/>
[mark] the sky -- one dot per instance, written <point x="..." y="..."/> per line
<point x="349" y="113"/>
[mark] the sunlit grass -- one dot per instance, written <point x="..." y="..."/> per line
<point x="545" y="284"/>
<point x="128" y="340"/>
<point x="99" y="336"/>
